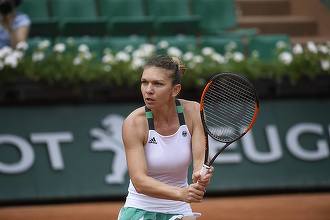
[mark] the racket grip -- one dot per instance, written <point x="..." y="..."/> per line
<point x="204" y="170"/>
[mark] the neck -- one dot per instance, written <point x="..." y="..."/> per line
<point x="166" y="113"/>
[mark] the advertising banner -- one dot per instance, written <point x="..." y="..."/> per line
<point x="76" y="152"/>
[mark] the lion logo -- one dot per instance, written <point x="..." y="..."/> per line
<point x="109" y="139"/>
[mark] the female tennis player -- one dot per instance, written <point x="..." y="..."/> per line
<point x="161" y="139"/>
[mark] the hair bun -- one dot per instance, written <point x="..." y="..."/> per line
<point x="182" y="68"/>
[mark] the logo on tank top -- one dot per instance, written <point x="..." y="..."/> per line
<point x="184" y="133"/>
<point x="152" y="141"/>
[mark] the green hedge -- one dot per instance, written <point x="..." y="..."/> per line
<point x="62" y="64"/>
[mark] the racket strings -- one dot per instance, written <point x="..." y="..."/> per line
<point x="229" y="106"/>
<point x="221" y="130"/>
<point x="244" y="93"/>
<point x="235" y="103"/>
<point x="241" y="93"/>
<point x="231" y="115"/>
<point x="222" y="127"/>
<point x="248" y="103"/>
<point x="214" y="97"/>
<point x="234" y="111"/>
<point x="239" y="85"/>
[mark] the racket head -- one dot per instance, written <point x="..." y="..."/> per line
<point x="229" y="107"/>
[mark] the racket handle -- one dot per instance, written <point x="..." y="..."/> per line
<point x="204" y="170"/>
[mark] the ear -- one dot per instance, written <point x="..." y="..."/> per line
<point x="176" y="90"/>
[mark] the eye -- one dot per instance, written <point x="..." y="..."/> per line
<point x="159" y="83"/>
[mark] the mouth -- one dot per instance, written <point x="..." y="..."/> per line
<point x="149" y="100"/>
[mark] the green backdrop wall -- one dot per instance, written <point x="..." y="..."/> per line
<point x="75" y="152"/>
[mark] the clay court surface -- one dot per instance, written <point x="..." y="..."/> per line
<point x="287" y="207"/>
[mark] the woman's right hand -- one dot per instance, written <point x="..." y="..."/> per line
<point x="193" y="193"/>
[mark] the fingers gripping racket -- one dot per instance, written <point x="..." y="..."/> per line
<point x="229" y="107"/>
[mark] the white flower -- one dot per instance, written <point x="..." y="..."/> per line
<point x="297" y="49"/>
<point x="311" y="47"/>
<point x="107" y="68"/>
<point x="280" y="44"/>
<point x="139" y="53"/>
<point x="128" y="48"/>
<point x="324" y="49"/>
<point x="207" y="51"/>
<point x="70" y="41"/>
<point x="22" y="45"/>
<point x="11" y="60"/>
<point x="137" y="63"/>
<point x="286" y="57"/>
<point x="5" y="51"/>
<point x="198" y="59"/>
<point x="18" y="54"/>
<point x="174" y="52"/>
<point x="325" y="65"/>
<point x="122" y="56"/>
<point x="218" y="58"/>
<point x="77" y="61"/>
<point x="83" y="48"/>
<point x="231" y="46"/>
<point x="188" y="56"/>
<point x="229" y="55"/>
<point x="238" y="57"/>
<point x="59" y="48"/>
<point x="87" y="55"/>
<point x="147" y="49"/>
<point x="44" y="44"/>
<point x="108" y="58"/>
<point x="163" y="44"/>
<point x="38" y="56"/>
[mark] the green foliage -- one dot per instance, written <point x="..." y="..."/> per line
<point x="64" y="64"/>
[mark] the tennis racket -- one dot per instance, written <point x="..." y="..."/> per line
<point x="229" y="107"/>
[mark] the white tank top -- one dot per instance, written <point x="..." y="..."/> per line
<point x="168" y="159"/>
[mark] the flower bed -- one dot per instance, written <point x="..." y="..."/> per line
<point x="61" y="66"/>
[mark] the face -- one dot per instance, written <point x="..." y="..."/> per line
<point x="157" y="87"/>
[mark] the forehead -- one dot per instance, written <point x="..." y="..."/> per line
<point x="156" y="73"/>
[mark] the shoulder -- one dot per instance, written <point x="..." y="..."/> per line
<point x="136" y="123"/>
<point x="190" y="107"/>
<point x="136" y="117"/>
<point x="192" y="114"/>
<point x="21" y="20"/>
<point x="137" y="114"/>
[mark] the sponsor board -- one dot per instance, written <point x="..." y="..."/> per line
<point x="66" y="152"/>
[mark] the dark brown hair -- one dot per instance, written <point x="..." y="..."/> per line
<point x="169" y="63"/>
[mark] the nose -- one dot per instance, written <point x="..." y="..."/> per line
<point x="149" y="88"/>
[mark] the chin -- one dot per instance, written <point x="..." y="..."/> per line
<point x="153" y="106"/>
<point x="149" y="105"/>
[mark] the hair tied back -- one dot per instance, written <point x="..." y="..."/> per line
<point x="181" y="67"/>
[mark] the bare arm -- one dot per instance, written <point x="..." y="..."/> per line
<point x="198" y="146"/>
<point x="133" y="138"/>
<point x="198" y="138"/>
<point x="16" y="35"/>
